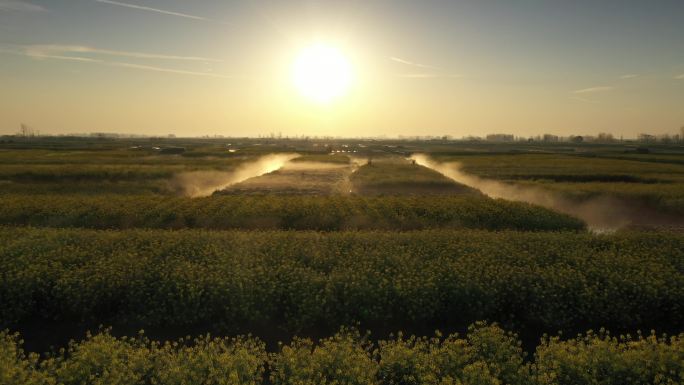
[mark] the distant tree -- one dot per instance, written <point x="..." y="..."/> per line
<point x="26" y="131"/>
<point x="23" y="130"/>
<point x="605" y="137"/>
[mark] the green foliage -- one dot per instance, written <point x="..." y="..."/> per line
<point x="499" y="352"/>
<point x="564" y="167"/>
<point x="293" y="281"/>
<point x="488" y="356"/>
<point x="326" y="213"/>
<point x="654" y="180"/>
<point x="599" y="358"/>
<point x="210" y="361"/>
<point x="402" y="177"/>
<point x="102" y="359"/>
<point x="16" y="367"/>
<point x="77" y="173"/>
<point x="419" y="360"/>
<point x="343" y="359"/>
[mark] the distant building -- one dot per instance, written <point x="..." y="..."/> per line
<point x="500" y="138"/>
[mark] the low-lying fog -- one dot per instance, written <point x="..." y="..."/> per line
<point x="600" y="214"/>
<point x="204" y="183"/>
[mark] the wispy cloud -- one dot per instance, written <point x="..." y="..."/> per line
<point x="70" y="58"/>
<point x="20" y="6"/>
<point x="435" y="73"/>
<point x="54" y="53"/>
<point x="592" y="90"/>
<point x="150" y="9"/>
<point x="411" y="63"/>
<point x="55" y="49"/>
<point x="680" y="77"/>
<point x="429" y="76"/>
<point x="629" y="76"/>
<point x="167" y="70"/>
<point x="584" y="100"/>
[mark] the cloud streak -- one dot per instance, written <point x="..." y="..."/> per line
<point x="166" y="70"/>
<point x="69" y="58"/>
<point x="680" y="77"/>
<point x="20" y="6"/>
<point x="48" y="50"/>
<point x="629" y="76"/>
<point x="434" y="74"/>
<point x="592" y="90"/>
<point x="150" y="9"/>
<point x="411" y="63"/>
<point x="53" y="54"/>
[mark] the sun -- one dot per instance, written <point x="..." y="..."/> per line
<point x="321" y="73"/>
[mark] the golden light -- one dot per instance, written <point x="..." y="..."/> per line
<point x="322" y="73"/>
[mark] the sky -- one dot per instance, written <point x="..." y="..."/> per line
<point x="218" y="67"/>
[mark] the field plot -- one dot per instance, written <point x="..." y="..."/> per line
<point x="307" y="175"/>
<point x="612" y="192"/>
<point x="286" y="241"/>
<point x="399" y="176"/>
<point x="582" y="177"/>
<point x="290" y="212"/>
<point x="105" y="171"/>
<point x="239" y="282"/>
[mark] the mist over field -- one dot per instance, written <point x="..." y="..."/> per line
<point x="204" y="183"/>
<point x="602" y="213"/>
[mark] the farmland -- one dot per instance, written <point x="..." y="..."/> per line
<point x="655" y="180"/>
<point x="437" y="278"/>
<point x="265" y="241"/>
<point x="277" y="212"/>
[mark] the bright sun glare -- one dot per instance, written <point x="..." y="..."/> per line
<point x="322" y="73"/>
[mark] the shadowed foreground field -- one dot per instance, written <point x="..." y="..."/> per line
<point x="486" y="355"/>
<point x="302" y="282"/>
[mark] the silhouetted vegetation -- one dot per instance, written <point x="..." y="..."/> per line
<point x="486" y="355"/>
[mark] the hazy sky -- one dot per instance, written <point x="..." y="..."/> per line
<point x="420" y="67"/>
